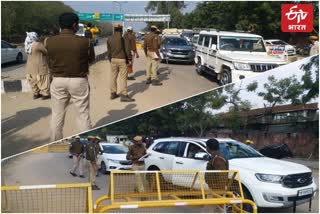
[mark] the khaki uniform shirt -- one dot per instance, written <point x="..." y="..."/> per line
<point x="76" y="147"/>
<point x="135" y="152"/>
<point x="151" y="43"/>
<point x="37" y="61"/>
<point x="116" y="49"/>
<point x="217" y="181"/>
<point x="132" y="41"/>
<point x="91" y="152"/>
<point x="69" y="55"/>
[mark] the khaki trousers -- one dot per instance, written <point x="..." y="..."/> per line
<point x="152" y="66"/>
<point x="77" y="163"/>
<point x="119" y="68"/>
<point x="140" y="177"/>
<point x="92" y="169"/>
<point x="40" y="84"/>
<point x="65" y="91"/>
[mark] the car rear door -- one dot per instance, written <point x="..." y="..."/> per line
<point x="4" y="56"/>
<point x="212" y="61"/>
<point x="188" y="162"/>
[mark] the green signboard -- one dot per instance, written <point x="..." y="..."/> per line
<point x="101" y="17"/>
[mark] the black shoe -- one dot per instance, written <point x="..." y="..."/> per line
<point x="148" y="81"/>
<point x="126" y="99"/>
<point x="131" y="78"/>
<point x="37" y="96"/>
<point x="95" y="187"/>
<point x="81" y="176"/>
<point x="73" y="174"/>
<point x="46" y="97"/>
<point x="114" y="96"/>
<point x="156" y="82"/>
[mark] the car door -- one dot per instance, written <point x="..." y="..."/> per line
<point x="4" y="56"/>
<point x="200" y="46"/>
<point x="205" y="48"/>
<point x="188" y="162"/>
<point x="212" y="62"/>
<point x="12" y="52"/>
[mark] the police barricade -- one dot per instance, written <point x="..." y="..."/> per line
<point x="158" y="189"/>
<point x="55" y="198"/>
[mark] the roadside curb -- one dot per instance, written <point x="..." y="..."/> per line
<point x="23" y="85"/>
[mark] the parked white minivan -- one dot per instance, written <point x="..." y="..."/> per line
<point x="268" y="182"/>
<point x="230" y="56"/>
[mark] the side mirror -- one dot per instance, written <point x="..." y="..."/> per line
<point x="241" y="77"/>
<point x="202" y="156"/>
<point x="214" y="47"/>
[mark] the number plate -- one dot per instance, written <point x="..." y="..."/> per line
<point x="304" y="192"/>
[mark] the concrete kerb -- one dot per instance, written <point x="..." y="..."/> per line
<point x="23" y="85"/>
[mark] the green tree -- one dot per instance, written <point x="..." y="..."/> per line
<point x="311" y="79"/>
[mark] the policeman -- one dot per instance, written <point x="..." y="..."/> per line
<point x="77" y="150"/>
<point x="133" y="49"/>
<point x="136" y="151"/>
<point x="91" y="156"/>
<point x="314" y="50"/>
<point x="216" y="181"/>
<point x="151" y="50"/>
<point x="69" y="57"/>
<point x="98" y="151"/>
<point x="119" y="56"/>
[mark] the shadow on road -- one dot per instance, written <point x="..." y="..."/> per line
<point x="139" y="73"/>
<point x="114" y="115"/>
<point x="22" y="119"/>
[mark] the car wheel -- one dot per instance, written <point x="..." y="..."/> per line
<point x="19" y="58"/>
<point x="246" y="195"/>
<point x="103" y="168"/>
<point x="199" y="67"/>
<point x="225" y="77"/>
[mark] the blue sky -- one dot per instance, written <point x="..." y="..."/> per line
<point x="129" y="7"/>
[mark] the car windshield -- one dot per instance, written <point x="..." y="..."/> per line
<point x="233" y="43"/>
<point x="80" y="31"/>
<point x="115" y="149"/>
<point x="278" y="42"/>
<point x="176" y="42"/>
<point x="233" y="150"/>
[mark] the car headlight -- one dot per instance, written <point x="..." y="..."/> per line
<point x="269" y="178"/>
<point x="114" y="161"/>
<point x="242" y="66"/>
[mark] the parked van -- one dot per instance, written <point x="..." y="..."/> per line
<point x="230" y="56"/>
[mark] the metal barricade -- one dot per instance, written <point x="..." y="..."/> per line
<point x="150" y="189"/>
<point x="55" y="198"/>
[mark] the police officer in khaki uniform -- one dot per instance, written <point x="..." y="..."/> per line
<point x="119" y="56"/>
<point x="69" y="57"/>
<point x="135" y="152"/>
<point x="314" y="50"/>
<point x="91" y="156"/>
<point x="133" y="49"/>
<point x="216" y="181"/>
<point x="77" y="150"/>
<point x="151" y="50"/>
<point x="98" y="151"/>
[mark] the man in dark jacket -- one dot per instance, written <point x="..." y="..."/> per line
<point x="91" y="156"/>
<point x="119" y="56"/>
<point x="69" y="57"/>
<point x="77" y="150"/>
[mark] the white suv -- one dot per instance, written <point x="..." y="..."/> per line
<point x="230" y="56"/>
<point x="268" y="182"/>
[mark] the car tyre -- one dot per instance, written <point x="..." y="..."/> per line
<point x="19" y="57"/>
<point x="103" y="168"/>
<point x="199" y="67"/>
<point x="225" y="77"/>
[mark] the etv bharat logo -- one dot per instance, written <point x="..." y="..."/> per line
<point x="297" y="18"/>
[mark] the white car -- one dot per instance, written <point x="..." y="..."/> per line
<point x="231" y="56"/>
<point x="291" y="50"/>
<point x="268" y="182"/>
<point x="10" y="53"/>
<point x="113" y="158"/>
